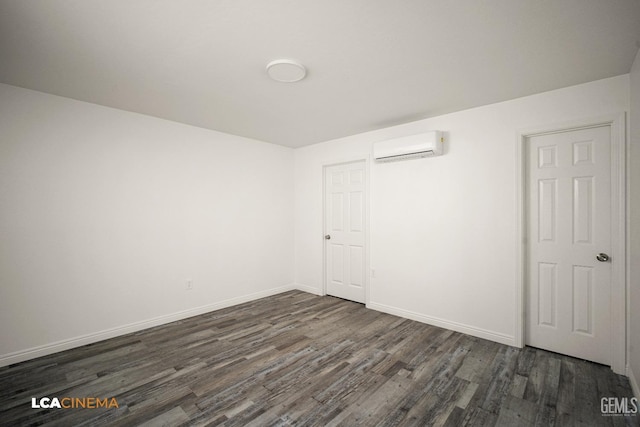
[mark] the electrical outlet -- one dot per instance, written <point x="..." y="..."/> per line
<point x="189" y="285"/>
<point x="373" y="273"/>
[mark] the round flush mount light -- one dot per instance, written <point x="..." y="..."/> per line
<point x="286" y="71"/>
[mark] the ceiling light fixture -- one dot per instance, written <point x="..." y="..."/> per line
<point x="286" y="71"/>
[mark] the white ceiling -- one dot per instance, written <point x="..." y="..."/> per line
<point x="371" y="63"/>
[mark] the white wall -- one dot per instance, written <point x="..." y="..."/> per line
<point x="442" y="234"/>
<point x="104" y="214"/>
<point x="634" y="243"/>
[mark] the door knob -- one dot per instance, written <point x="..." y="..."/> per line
<point x="602" y="257"/>
<point x="327" y="236"/>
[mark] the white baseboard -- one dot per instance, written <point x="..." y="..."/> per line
<point x="633" y="382"/>
<point x="454" y="326"/>
<point x="309" y="289"/>
<point x="43" y="350"/>
<point x="447" y="324"/>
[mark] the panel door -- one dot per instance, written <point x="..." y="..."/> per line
<point x="345" y="231"/>
<point x="569" y="225"/>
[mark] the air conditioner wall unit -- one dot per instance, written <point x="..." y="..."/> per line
<point x="409" y="147"/>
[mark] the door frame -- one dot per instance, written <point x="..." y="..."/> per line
<point x="619" y="285"/>
<point x="367" y="183"/>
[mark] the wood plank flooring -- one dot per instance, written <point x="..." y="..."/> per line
<point x="299" y="359"/>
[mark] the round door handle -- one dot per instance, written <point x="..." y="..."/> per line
<point x="327" y="236"/>
<point x="602" y="257"/>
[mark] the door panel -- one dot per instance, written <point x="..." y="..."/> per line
<point x="548" y="211"/>
<point x="547" y="291"/>
<point x="582" y="301"/>
<point x="345" y="213"/>
<point x="568" y="224"/>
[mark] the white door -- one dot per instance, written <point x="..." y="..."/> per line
<point x="344" y="226"/>
<point x="568" y="242"/>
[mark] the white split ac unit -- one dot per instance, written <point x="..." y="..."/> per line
<point x="409" y="147"/>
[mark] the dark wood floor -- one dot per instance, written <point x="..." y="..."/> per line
<point x="299" y="359"/>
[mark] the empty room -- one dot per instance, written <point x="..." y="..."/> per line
<point x="319" y="213"/>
